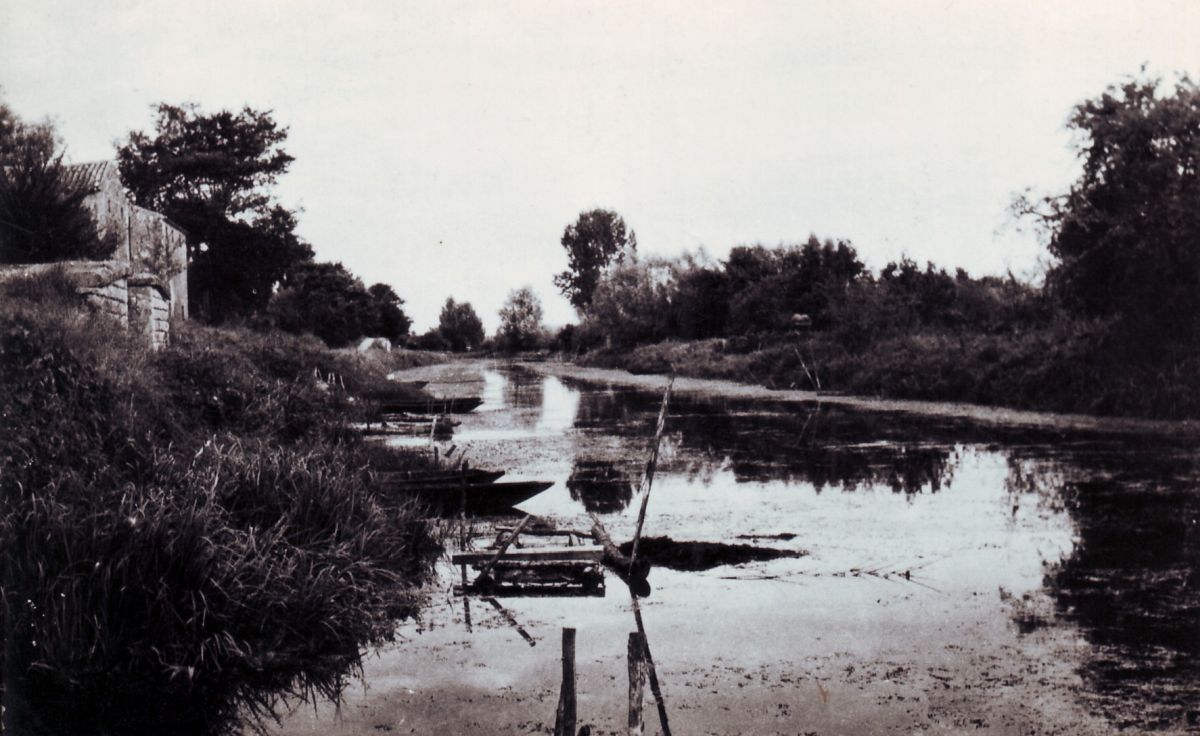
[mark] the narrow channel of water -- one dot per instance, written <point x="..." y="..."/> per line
<point x="956" y="576"/>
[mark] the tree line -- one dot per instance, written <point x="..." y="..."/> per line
<point x="1114" y="327"/>
<point x="1125" y="243"/>
<point x="213" y="175"/>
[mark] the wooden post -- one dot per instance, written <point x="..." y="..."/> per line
<point x="564" y="718"/>
<point x="637" y="683"/>
<point x="466" y="598"/>
<point x="655" y="690"/>
<point x="651" y="465"/>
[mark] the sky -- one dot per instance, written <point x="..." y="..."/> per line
<point x="442" y="147"/>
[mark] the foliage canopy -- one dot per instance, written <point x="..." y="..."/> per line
<point x="521" y="320"/>
<point x="593" y="242"/>
<point x="212" y="174"/>
<point x="1126" y="235"/>
<point x="459" y="326"/>
<point x="328" y="301"/>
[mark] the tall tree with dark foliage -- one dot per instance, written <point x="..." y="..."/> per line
<point x="393" y="322"/>
<point x="330" y="302"/>
<point x="1126" y="235"/>
<point x="596" y="240"/>
<point x="213" y="175"/>
<point x="459" y="326"/>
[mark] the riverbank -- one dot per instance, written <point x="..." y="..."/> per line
<point x="955" y="410"/>
<point x="190" y="534"/>
<point x="1060" y="367"/>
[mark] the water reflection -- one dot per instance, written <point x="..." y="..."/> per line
<point x="823" y="446"/>
<point x="518" y="393"/>
<point x="1132" y="585"/>
<point x="602" y="486"/>
<point x="1119" y="568"/>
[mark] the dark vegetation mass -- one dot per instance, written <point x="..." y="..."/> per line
<point x="190" y="535"/>
<point x="42" y="216"/>
<point x="1114" y="328"/>
<point x="213" y="174"/>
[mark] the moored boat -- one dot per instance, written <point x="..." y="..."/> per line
<point x="444" y="478"/>
<point x="448" y="499"/>
<point x="431" y="405"/>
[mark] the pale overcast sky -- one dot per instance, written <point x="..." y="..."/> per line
<point x="441" y="147"/>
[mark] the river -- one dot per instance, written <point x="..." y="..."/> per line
<point x="950" y="575"/>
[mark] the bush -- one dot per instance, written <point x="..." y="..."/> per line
<point x="42" y="215"/>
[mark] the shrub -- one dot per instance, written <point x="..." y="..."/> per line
<point x="42" y="215"/>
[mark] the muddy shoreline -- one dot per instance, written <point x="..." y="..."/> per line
<point x="952" y="410"/>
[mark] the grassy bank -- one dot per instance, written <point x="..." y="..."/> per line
<point x="1064" y="367"/>
<point x="187" y="536"/>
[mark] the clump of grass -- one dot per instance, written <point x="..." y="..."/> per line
<point x="188" y="537"/>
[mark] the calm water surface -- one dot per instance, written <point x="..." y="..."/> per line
<point x="1055" y="573"/>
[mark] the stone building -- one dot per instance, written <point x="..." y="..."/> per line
<point x="144" y="282"/>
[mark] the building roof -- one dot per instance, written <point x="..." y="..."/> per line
<point x="89" y="176"/>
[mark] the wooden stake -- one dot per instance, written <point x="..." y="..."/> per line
<point x="652" y="671"/>
<point x="466" y="599"/>
<point x="637" y="683"/>
<point x="651" y="465"/>
<point x="564" y="718"/>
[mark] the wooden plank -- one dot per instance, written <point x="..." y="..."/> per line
<point x="578" y="552"/>
<point x="538" y="532"/>
<point x="546" y="565"/>
<point x="539" y="591"/>
<point x="487" y="568"/>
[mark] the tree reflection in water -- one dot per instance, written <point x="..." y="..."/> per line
<point x="1130" y="584"/>
<point x="603" y="487"/>
<point x="761" y="441"/>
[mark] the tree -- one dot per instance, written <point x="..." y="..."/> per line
<point x="768" y="286"/>
<point x="326" y="300"/>
<point x="521" y="321"/>
<point x="701" y="302"/>
<point x="1126" y="235"/>
<point x="632" y="304"/>
<point x="393" y="323"/>
<point x="594" y="242"/>
<point x="459" y="326"/>
<point x="42" y="213"/>
<point x="213" y="175"/>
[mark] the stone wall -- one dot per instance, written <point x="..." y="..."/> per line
<point x="110" y="207"/>
<point x="149" y="309"/>
<point x="144" y="284"/>
<point x="157" y="247"/>
<point x="140" y="301"/>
